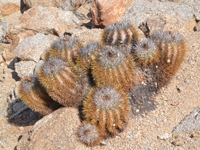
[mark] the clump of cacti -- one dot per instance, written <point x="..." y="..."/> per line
<point x="108" y="79"/>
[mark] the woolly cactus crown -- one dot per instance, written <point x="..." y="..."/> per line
<point x="107" y="98"/>
<point x="146" y="49"/>
<point x="64" y="43"/>
<point x="53" y="65"/>
<point x="28" y="83"/>
<point x="89" y="49"/>
<point x="111" y="57"/>
<point x="88" y="133"/>
<point x="168" y="36"/>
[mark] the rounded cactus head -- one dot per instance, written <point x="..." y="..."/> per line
<point x="108" y="107"/>
<point x="172" y="53"/>
<point x="89" y="134"/>
<point x="121" y="34"/>
<point x="34" y="95"/>
<point x="61" y="81"/>
<point x="87" y="54"/>
<point x="107" y="98"/>
<point x="53" y="65"/>
<point x="146" y="53"/>
<point x="65" y="48"/>
<point x="28" y="83"/>
<point x="114" y="66"/>
<point x="111" y="57"/>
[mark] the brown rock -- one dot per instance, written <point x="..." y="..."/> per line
<point x="1" y="59"/>
<point x="43" y="3"/>
<point x="19" y="38"/>
<point x="9" y="8"/>
<point x="47" y="20"/>
<point x="8" y="55"/>
<point x="106" y="12"/>
<point x="54" y="131"/>
<point x="65" y="4"/>
<point x="164" y="23"/>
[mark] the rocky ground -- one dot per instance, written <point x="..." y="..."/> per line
<point x="173" y="124"/>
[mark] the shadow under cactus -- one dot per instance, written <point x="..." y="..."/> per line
<point x="23" y="116"/>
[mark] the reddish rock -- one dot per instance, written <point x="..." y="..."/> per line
<point x="19" y="38"/>
<point x="106" y="12"/>
<point x="54" y="131"/>
<point x="47" y="20"/>
<point x="8" y="55"/>
<point x="9" y="8"/>
<point x="43" y="3"/>
<point x="65" y="4"/>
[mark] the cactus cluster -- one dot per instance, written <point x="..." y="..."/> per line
<point x="106" y="80"/>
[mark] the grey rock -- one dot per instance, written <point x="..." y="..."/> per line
<point x="3" y="30"/>
<point x="165" y="136"/>
<point x="47" y="20"/>
<point x="188" y="128"/>
<point x="24" y="68"/>
<point x="190" y="123"/>
<point x="32" y="47"/>
<point x="170" y="12"/>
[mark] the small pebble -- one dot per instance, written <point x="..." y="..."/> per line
<point x="164" y="136"/>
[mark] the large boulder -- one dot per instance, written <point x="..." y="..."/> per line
<point x="55" y="131"/>
<point x="47" y="20"/>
